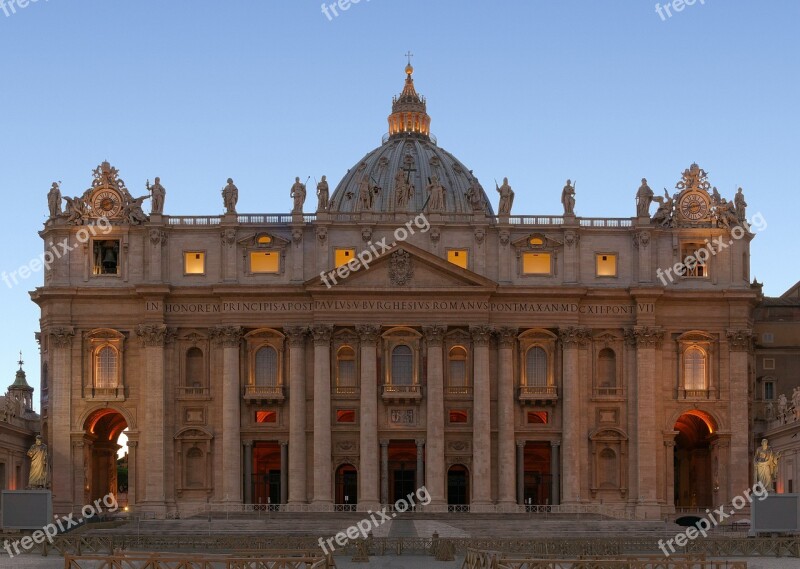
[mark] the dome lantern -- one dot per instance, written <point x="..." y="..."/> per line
<point x="409" y="110"/>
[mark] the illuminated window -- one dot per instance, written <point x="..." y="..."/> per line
<point x="694" y="257"/>
<point x="458" y="416"/>
<point x="266" y="416"/>
<point x="402" y="365"/>
<point x="194" y="263"/>
<point x="536" y="264"/>
<point x="343" y="256"/>
<point x="106" y="257"/>
<point x="346" y="416"/>
<point x="346" y="367"/>
<point x="694" y="369"/>
<point x="458" y="367"/>
<point x="606" y="265"/>
<point x="458" y="257"/>
<point x="537" y="417"/>
<point x="536" y="367"/>
<point x="536" y="241"/>
<point x="266" y="367"/>
<point x="105" y="367"/>
<point x="264" y="240"/>
<point x="265" y="261"/>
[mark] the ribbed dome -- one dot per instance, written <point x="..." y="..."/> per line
<point x="396" y="176"/>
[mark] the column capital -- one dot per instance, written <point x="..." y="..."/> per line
<point x="521" y="444"/>
<point x="61" y="337"/>
<point x="247" y="444"/>
<point x="739" y="340"/>
<point x="283" y="443"/>
<point x="574" y="336"/>
<point x="555" y="444"/>
<point x="132" y="444"/>
<point x="322" y="333"/>
<point x="506" y="336"/>
<point x="434" y="334"/>
<point x="420" y="443"/>
<point x="296" y="335"/>
<point x="154" y="335"/>
<point x="368" y="334"/>
<point x="227" y="336"/>
<point x="384" y="442"/>
<point x="481" y="334"/>
<point x="644" y="336"/>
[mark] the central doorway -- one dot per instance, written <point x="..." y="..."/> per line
<point x="538" y="478"/>
<point x="266" y="474"/>
<point x="692" y="461"/>
<point x="402" y="469"/>
<point x="458" y="485"/>
<point x="346" y="485"/>
<point x="102" y="464"/>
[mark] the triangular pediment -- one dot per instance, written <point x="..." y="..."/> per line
<point x="406" y="267"/>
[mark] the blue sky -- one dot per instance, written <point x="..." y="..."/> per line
<point x="604" y="93"/>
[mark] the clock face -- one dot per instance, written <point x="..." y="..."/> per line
<point x="106" y="203"/>
<point x="694" y="207"/>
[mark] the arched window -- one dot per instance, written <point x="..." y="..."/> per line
<point x="694" y="369"/>
<point x="266" y="367"/>
<point x="194" y="368"/>
<point x="106" y="367"/>
<point x="536" y="367"/>
<point x="458" y="367"/>
<point x="402" y="365"/>
<point x="606" y="368"/>
<point x="346" y="367"/>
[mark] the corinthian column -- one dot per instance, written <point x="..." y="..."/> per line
<point x="153" y="338"/>
<point x="434" y="463"/>
<point x="229" y="338"/>
<point x="505" y="416"/>
<point x="297" y="415"/>
<point x="60" y="395"/>
<point x="322" y="414"/>
<point x="571" y="340"/>
<point x="482" y="420"/>
<point x="648" y="438"/>
<point x="738" y="478"/>
<point x="369" y="469"/>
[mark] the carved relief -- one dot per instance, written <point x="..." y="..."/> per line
<point x="481" y="334"/>
<point x="506" y="336"/>
<point x="644" y="336"/>
<point x="368" y="333"/>
<point x="574" y="336"/>
<point x="62" y="337"/>
<point x="158" y="237"/>
<point x="434" y="335"/>
<point x="401" y="268"/>
<point x="739" y="340"/>
<point x="228" y="237"/>
<point x="322" y="233"/>
<point x="227" y="336"/>
<point x="154" y="335"/>
<point x="321" y="333"/>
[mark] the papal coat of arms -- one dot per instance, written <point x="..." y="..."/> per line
<point x="400" y="268"/>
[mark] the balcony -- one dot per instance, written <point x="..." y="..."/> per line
<point x="346" y="391"/>
<point x="398" y="393"/>
<point x="105" y="393"/>
<point x="193" y="393"/>
<point x="609" y="392"/>
<point x="538" y="394"/>
<point x="264" y="393"/>
<point x="458" y="391"/>
<point x="694" y="394"/>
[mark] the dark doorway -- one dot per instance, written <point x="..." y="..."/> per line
<point x="458" y="485"/>
<point x="402" y="469"/>
<point x="266" y="474"/>
<point x="347" y="485"/>
<point x="692" y="461"/>
<point x="538" y="478"/>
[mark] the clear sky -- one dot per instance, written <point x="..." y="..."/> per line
<point x="601" y="92"/>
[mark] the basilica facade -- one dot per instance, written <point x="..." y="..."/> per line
<point x="402" y="335"/>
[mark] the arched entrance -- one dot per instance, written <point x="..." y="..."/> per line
<point x="346" y="485"/>
<point x="692" y="461"/>
<point x="457" y="485"/>
<point x="100" y="455"/>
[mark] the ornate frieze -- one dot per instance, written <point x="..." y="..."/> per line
<point x="154" y="335"/>
<point x="368" y="334"/>
<point x="574" y="336"/>
<point x="481" y="334"/>
<point x="322" y="333"/>
<point x="296" y="335"/>
<point x="644" y="336"/>
<point x="401" y="268"/>
<point x="506" y="336"/>
<point x="157" y="237"/>
<point x="739" y="340"/>
<point x="434" y="335"/>
<point x="322" y="233"/>
<point x="62" y="337"/>
<point x="642" y="238"/>
<point x="227" y="336"/>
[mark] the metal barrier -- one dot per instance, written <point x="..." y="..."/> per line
<point x="487" y="559"/>
<point x="175" y="561"/>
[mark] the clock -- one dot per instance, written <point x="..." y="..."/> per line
<point x="106" y="203"/>
<point x="694" y="206"/>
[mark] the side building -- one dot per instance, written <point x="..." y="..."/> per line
<point x="403" y="334"/>
<point x="19" y="425"/>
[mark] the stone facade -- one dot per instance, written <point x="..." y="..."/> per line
<point x="19" y="425"/>
<point x="498" y="359"/>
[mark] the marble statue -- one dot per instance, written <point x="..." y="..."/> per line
<point x="298" y="193"/>
<point x="157" y="194"/>
<point x="365" y="193"/>
<point x="132" y="211"/>
<point x="715" y="197"/>
<point x="403" y="190"/>
<point x="741" y="206"/>
<point x="323" y="194"/>
<point x="769" y="411"/>
<point x="783" y="407"/>
<point x="726" y="214"/>
<point x="230" y="196"/>
<point x="54" y="200"/>
<point x="475" y="196"/>
<point x="38" y="455"/>
<point x="644" y="197"/>
<point x="76" y="210"/>
<point x="568" y="198"/>
<point x="663" y="215"/>
<point x="796" y="403"/>
<point x="765" y="466"/>
<point x="506" y="198"/>
<point x="436" y="195"/>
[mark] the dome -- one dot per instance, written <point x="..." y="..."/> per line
<point x="409" y="172"/>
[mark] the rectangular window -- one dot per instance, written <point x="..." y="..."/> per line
<point x="536" y="264"/>
<point x="265" y="261"/>
<point x="343" y="256"/>
<point x="694" y="257"/>
<point x="606" y="265"/>
<point x="345" y="416"/>
<point x="266" y="416"/>
<point x="194" y="263"/>
<point x="769" y="390"/>
<point x="767" y="338"/>
<point x="105" y="255"/>
<point x="537" y="417"/>
<point x="458" y="257"/>
<point x="459" y="416"/>
<point x="769" y="363"/>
